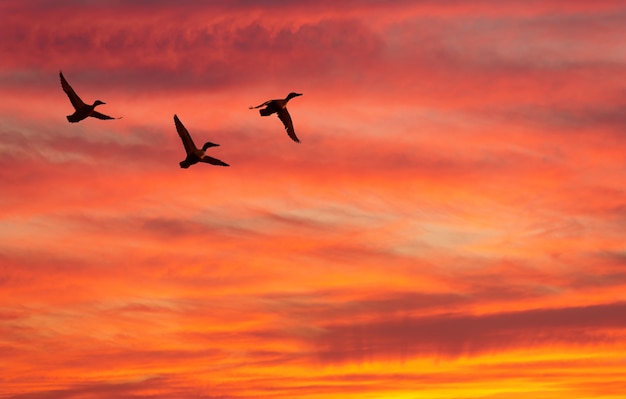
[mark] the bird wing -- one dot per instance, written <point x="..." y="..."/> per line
<point x="190" y="147"/>
<point x="98" y="115"/>
<point x="213" y="161"/>
<point x="74" y="99"/>
<point x="284" y="116"/>
<point x="259" y="106"/>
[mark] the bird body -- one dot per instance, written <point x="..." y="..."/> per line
<point x="279" y="107"/>
<point x="82" y="110"/>
<point x="194" y="154"/>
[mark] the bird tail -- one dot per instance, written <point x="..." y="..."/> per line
<point x="264" y="112"/>
<point x="185" y="164"/>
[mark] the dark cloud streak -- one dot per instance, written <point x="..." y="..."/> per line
<point x="458" y="335"/>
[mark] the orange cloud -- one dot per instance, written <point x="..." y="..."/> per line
<point x="450" y="225"/>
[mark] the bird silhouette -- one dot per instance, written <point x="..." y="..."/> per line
<point x="82" y="110"/>
<point x="194" y="155"/>
<point x="279" y="107"/>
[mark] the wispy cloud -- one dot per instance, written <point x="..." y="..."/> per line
<point x="450" y="226"/>
<point x="467" y="335"/>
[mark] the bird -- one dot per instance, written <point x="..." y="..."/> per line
<point x="279" y="107"/>
<point x="82" y="110"/>
<point x="194" y="155"/>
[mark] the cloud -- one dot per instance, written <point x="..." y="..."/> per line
<point x="467" y="335"/>
<point x="453" y="216"/>
<point x="220" y="48"/>
<point x="122" y="390"/>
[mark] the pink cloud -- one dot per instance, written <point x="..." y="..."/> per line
<point x="467" y="335"/>
<point x="457" y="195"/>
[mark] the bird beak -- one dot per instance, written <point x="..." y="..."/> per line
<point x="298" y="94"/>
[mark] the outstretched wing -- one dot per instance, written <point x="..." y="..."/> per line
<point x="284" y="116"/>
<point x="259" y="106"/>
<point x="98" y="115"/>
<point x="190" y="147"/>
<point x="74" y="99"/>
<point x="213" y="161"/>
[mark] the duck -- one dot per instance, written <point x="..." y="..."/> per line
<point x="82" y="110"/>
<point x="194" y="155"/>
<point x="279" y="107"/>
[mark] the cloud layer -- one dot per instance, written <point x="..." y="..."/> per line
<point x="451" y="225"/>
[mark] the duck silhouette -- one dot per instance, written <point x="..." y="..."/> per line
<point x="279" y="107"/>
<point x="82" y="110"/>
<point x="194" y="154"/>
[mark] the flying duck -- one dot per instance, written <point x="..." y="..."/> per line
<point x="280" y="108"/>
<point x="82" y="110"/>
<point x="194" y="155"/>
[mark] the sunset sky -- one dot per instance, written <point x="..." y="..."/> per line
<point x="451" y="226"/>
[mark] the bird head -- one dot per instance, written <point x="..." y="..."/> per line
<point x="292" y="95"/>
<point x="209" y="144"/>
<point x="98" y="102"/>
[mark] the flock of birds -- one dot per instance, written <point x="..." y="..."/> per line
<point x="194" y="154"/>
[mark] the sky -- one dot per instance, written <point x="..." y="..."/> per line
<point x="452" y="224"/>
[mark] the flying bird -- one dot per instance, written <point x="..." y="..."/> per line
<point x="82" y="110"/>
<point x="194" y="155"/>
<point x="280" y="108"/>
